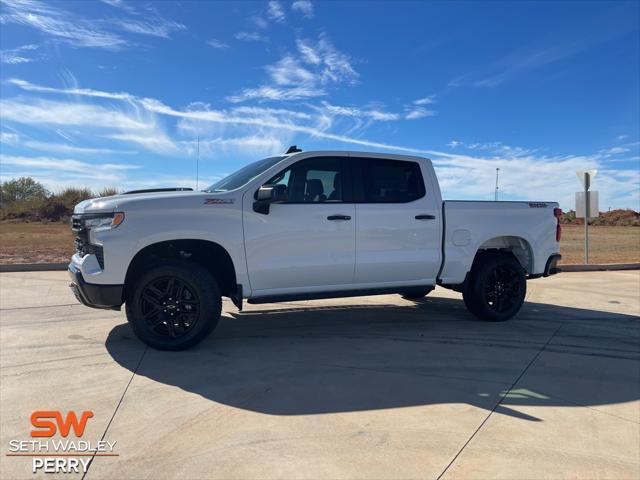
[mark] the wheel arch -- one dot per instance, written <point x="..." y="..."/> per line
<point x="210" y="255"/>
<point x="514" y="245"/>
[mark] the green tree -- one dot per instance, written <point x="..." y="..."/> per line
<point x="24" y="189"/>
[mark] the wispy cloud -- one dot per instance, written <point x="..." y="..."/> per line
<point x="214" y="43"/>
<point x="60" y="24"/>
<point x="305" y="7"/>
<point x="304" y="74"/>
<point x="425" y="100"/>
<point x="121" y="4"/>
<point x="275" y="11"/>
<point x="473" y="177"/>
<point x="65" y="165"/>
<point x="22" y="54"/>
<point x="262" y="130"/>
<point x="251" y="37"/>
<point x="418" y="110"/>
<point x="155" y="26"/>
<point x="15" y="139"/>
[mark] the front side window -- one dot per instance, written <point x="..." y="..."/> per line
<point x="391" y="181"/>
<point x="312" y="180"/>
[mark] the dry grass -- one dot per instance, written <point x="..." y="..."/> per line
<point x="35" y="242"/>
<point x="53" y="242"/>
<point x="606" y="244"/>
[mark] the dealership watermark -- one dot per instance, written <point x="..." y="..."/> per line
<point x="60" y="455"/>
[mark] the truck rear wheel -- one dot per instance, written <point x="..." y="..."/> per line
<point x="496" y="288"/>
<point x="174" y="306"/>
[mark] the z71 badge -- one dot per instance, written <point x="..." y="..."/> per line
<point x="218" y="201"/>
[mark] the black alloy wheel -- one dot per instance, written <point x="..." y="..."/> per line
<point x="503" y="288"/>
<point x="174" y="305"/>
<point x="170" y="306"/>
<point x="496" y="287"/>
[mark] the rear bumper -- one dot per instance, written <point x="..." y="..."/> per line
<point x="94" y="295"/>
<point x="551" y="267"/>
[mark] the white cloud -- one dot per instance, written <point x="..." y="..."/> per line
<point x="616" y="150"/>
<point x="261" y="130"/>
<point x="426" y="100"/>
<point x="305" y="7"/>
<point x="154" y="26"/>
<point x="547" y="178"/>
<point x="251" y="37"/>
<point x="18" y="55"/>
<point x="60" y="24"/>
<point x="14" y="139"/>
<point x="302" y="75"/>
<point x="454" y="144"/>
<point x="157" y="141"/>
<point x="366" y="113"/>
<point x="120" y="4"/>
<point x="416" y="113"/>
<point x="64" y="165"/>
<point x="217" y="43"/>
<point x="9" y="138"/>
<point x="275" y="11"/>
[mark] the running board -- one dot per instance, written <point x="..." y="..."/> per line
<point x="334" y="294"/>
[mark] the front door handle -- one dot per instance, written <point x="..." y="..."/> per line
<point x="338" y="217"/>
<point x="425" y="217"/>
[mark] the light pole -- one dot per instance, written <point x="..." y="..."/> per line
<point x="495" y="197"/>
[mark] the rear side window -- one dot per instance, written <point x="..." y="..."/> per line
<point x="391" y="181"/>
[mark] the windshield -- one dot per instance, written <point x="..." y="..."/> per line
<point x="243" y="176"/>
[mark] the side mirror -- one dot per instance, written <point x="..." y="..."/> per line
<point x="268" y="194"/>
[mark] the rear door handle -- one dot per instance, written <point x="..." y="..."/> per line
<point x="338" y="217"/>
<point x="425" y="217"/>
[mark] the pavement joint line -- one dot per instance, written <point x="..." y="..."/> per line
<point x="515" y="382"/>
<point x="39" y="306"/>
<point x="117" y="408"/>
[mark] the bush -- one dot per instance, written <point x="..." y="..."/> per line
<point x="60" y="206"/>
<point x="108" y="192"/>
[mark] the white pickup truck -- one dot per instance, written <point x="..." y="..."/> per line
<point x="304" y="225"/>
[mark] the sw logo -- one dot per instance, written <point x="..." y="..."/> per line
<point x="46" y="427"/>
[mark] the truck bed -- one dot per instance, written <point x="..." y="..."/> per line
<point x="525" y="227"/>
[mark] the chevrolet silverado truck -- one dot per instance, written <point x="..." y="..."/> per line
<point x="300" y="226"/>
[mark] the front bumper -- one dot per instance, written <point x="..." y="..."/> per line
<point x="94" y="295"/>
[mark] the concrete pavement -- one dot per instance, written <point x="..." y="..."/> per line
<point x="370" y="387"/>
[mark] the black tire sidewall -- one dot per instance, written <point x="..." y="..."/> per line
<point x="474" y="296"/>
<point x="206" y="289"/>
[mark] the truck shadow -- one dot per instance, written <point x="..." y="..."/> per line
<point x="305" y="360"/>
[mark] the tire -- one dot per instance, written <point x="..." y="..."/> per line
<point x="416" y="294"/>
<point x="496" y="288"/>
<point x="174" y="306"/>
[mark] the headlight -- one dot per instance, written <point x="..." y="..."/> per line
<point x="102" y="223"/>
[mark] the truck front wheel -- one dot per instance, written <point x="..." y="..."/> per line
<point x="174" y="306"/>
<point x="496" y="288"/>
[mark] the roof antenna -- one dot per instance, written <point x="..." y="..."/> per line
<point x="198" y="164"/>
<point x="293" y="149"/>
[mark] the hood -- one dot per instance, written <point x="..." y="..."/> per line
<point x="148" y="200"/>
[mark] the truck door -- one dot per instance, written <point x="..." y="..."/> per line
<point x="309" y="240"/>
<point x="398" y="237"/>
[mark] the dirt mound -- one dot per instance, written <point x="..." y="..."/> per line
<point x="613" y="218"/>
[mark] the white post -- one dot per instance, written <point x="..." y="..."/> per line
<point x="587" y="183"/>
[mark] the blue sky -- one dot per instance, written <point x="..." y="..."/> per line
<point x="115" y="92"/>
